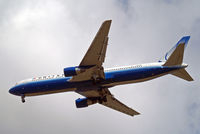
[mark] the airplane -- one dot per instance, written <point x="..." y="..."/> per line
<point x="92" y="81"/>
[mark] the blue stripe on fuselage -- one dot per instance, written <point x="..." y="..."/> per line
<point x="138" y="73"/>
<point x="110" y="77"/>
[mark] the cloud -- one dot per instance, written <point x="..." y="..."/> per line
<point x="42" y="37"/>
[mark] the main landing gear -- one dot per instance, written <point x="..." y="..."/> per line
<point x="96" y="79"/>
<point x="23" y="98"/>
<point x="102" y="99"/>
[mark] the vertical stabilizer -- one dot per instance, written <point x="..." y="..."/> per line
<point x="175" y="55"/>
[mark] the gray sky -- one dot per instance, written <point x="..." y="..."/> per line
<point x="41" y="37"/>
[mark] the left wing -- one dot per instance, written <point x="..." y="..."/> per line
<point x="108" y="100"/>
<point x="95" y="55"/>
<point x="97" y="50"/>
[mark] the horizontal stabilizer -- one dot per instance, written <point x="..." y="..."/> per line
<point x="183" y="74"/>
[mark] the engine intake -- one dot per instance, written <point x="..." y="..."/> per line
<point x="71" y="71"/>
<point x="85" y="102"/>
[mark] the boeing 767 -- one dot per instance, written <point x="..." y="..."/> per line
<point x="92" y="81"/>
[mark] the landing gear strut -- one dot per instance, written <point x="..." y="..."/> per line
<point x="23" y="98"/>
<point x="102" y="99"/>
<point x="94" y="79"/>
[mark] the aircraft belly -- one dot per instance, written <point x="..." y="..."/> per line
<point x="112" y="79"/>
<point x="49" y="92"/>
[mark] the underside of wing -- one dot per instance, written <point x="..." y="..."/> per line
<point x="97" y="50"/>
<point x="117" y="105"/>
<point x="105" y="98"/>
<point x="95" y="56"/>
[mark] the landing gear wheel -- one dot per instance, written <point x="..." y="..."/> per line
<point x="104" y="99"/>
<point x="95" y="81"/>
<point x="23" y="98"/>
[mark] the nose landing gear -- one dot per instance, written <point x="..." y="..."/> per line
<point x="23" y="98"/>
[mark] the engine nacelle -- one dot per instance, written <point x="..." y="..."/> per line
<point x="71" y="71"/>
<point x="85" y="102"/>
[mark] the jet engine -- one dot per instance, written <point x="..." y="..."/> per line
<point x="85" y="102"/>
<point x="71" y="71"/>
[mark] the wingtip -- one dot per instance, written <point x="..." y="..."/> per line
<point x="107" y="21"/>
<point x="191" y="79"/>
<point x="138" y="114"/>
<point x="135" y="114"/>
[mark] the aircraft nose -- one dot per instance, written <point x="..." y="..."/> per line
<point x="13" y="91"/>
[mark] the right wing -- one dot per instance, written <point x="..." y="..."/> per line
<point x="108" y="100"/>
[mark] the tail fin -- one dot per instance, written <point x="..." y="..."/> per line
<point x="175" y="57"/>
